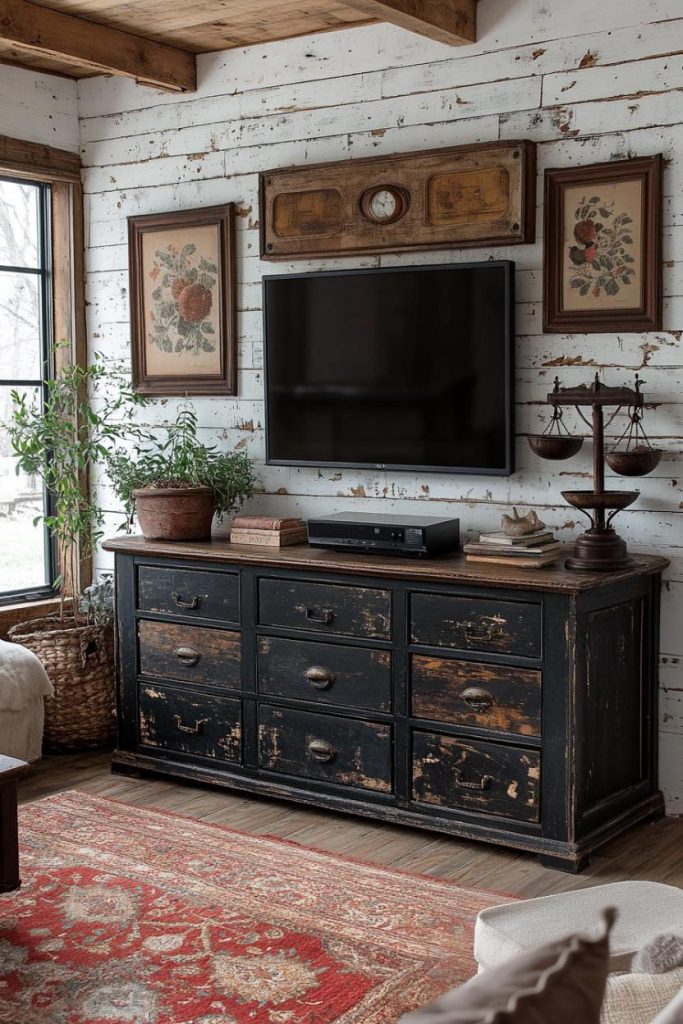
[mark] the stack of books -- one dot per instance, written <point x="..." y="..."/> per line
<point x="531" y="551"/>
<point x="267" y="531"/>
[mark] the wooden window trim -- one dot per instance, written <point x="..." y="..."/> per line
<point x="61" y="170"/>
<point x="10" y="614"/>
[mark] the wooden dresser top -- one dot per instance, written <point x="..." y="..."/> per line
<point x="444" y="569"/>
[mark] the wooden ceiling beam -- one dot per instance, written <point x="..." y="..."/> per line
<point x="35" y="31"/>
<point x="448" y="21"/>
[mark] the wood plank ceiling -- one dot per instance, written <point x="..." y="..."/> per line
<point x="155" y="41"/>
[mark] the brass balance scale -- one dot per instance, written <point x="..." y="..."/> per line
<point x="599" y="549"/>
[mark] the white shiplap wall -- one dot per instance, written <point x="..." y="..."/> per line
<point x="587" y="81"/>
<point x="38" y="108"/>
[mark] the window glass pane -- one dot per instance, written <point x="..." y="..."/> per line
<point x="20" y="347"/>
<point x="22" y="552"/>
<point x="19" y="232"/>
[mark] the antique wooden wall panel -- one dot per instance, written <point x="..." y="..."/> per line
<point x="449" y="197"/>
<point x="585" y="81"/>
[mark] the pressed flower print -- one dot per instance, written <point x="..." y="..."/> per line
<point x="182" y="301"/>
<point x="602" y="245"/>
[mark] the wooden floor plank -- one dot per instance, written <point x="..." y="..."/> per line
<point x="653" y="851"/>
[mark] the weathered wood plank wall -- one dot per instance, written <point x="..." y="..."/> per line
<point x="588" y="82"/>
<point x="38" y="108"/>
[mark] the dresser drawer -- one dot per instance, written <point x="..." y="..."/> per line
<point x="476" y="624"/>
<point x="195" y="594"/>
<point x="362" y="612"/>
<point x="190" y="654"/>
<point x="205" y="725"/>
<point x="339" y="750"/>
<point x="496" y="697"/>
<point x="326" y="673"/>
<point x="483" y="777"/>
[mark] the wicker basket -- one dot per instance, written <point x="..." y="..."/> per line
<point x="79" y="659"/>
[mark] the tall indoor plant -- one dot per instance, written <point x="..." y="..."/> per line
<point x="85" y="412"/>
<point x="177" y="485"/>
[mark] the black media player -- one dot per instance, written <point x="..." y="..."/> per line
<point x="374" y="532"/>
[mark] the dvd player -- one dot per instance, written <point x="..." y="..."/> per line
<point x="374" y="532"/>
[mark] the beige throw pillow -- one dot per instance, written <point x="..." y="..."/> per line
<point x="673" y="1013"/>
<point x="561" y="982"/>
<point x="638" y="998"/>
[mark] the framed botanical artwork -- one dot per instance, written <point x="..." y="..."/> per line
<point x="602" y="261"/>
<point x="183" y="302"/>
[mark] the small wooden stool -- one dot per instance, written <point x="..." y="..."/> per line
<point x="10" y="771"/>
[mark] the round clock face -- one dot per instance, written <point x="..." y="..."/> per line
<point x="384" y="204"/>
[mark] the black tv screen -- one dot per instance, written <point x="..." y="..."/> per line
<point x="400" y="368"/>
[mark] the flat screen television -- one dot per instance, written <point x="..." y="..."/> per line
<point x="406" y="368"/>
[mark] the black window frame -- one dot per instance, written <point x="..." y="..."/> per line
<point x="44" y="271"/>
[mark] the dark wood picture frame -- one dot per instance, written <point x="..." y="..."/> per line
<point x="561" y="252"/>
<point x="205" y="291"/>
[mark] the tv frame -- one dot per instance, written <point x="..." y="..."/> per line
<point x="509" y="267"/>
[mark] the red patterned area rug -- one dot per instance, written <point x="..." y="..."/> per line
<point x="132" y="916"/>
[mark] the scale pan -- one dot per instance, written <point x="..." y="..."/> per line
<point x="553" y="446"/>
<point x="634" y="462"/>
<point x="600" y="499"/>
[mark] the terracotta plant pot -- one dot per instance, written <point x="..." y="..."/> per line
<point x="175" y="513"/>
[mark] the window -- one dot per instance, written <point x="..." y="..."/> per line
<point x="26" y="553"/>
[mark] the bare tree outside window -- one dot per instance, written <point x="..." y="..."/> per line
<point x="25" y="554"/>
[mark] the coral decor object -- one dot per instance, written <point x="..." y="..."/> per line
<point x="519" y="526"/>
<point x="129" y="915"/>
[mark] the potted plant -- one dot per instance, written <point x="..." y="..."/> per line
<point x="85" y="412"/>
<point x="177" y="485"/>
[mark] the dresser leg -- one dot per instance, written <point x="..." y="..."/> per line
<point x="572" y="867"/>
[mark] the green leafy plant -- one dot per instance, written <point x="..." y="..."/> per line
<point x="84" y="414"/>
<point x="97" y="601"/>
<point x="182" y="460"/>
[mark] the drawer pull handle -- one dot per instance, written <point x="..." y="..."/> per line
<point x="321" y="751"/>
<point x="483" y="783"/>
<point x="479" y="700"/>
<point x="191" y="604"/>
<point x="320" y="678"/>
<point x="483" y="631"/>
<point x="195" y="729"/>
<point x="325" y="617"/>
<point x="187" y="655"/>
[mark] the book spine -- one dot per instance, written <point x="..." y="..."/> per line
<point x="298" y="531"/>
<point x="510" y="553"/>
<point x="265" y="523"/>
<point x="522" y="563"/>
<point x="269" y="540"/>
<point x="515" y="542"/>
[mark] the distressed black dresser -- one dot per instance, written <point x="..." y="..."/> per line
<point x="513" y="706"/>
